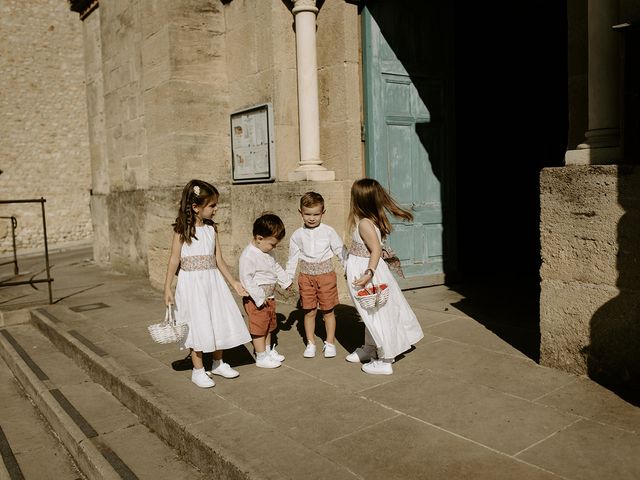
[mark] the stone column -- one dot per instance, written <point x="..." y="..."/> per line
<point x="310" y="166"/>
<point x="602" y="140"/>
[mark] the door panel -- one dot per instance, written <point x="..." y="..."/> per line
<point x="408" y="111"/>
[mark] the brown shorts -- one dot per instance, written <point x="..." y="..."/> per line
<point x="318" y="291"/>
<point x="262" y="320"/>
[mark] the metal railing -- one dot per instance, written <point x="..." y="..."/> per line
<point x="14" y="224"/>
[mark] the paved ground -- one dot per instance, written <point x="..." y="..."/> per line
<point x="469" y="402"/>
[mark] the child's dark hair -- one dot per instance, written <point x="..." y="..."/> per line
<point x="311" y="199"/>
<point x="269" y="225"/>
<point x="370" y="200"/>
<point x="196" y="192"/>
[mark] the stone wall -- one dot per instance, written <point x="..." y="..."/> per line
<point x="45" y="149"/>
<point x="590" y="289"/>
<point x="163" y="79"/>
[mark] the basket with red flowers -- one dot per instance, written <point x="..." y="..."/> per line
<point x="373" y="296"/>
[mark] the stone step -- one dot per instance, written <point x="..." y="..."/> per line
<point x="30" y="449"/>
<point x="105" y="438"/>
<point x="218" y="435"/>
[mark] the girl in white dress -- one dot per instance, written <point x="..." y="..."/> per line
<point x="203" y="299"/>
<point x="393" y="327"/>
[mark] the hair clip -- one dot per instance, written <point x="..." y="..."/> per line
<point x="196" y="190"/>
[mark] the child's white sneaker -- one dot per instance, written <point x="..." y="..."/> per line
<point x="273" y="353"/>
<point x="361" y="354"/>
<point x="310" y="351"/>
<point x="329" y="350"/>
<point x="377" y="367"/>
<point x="223" y="369"/>
<point x="265" y="360"/>
<point x="201" y="379"/>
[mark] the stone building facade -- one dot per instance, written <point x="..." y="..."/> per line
<point x="162" y="80"/>
<point x="45" y="148"/>
<point x="420" y="94"/>
<point x="590" y="208"/>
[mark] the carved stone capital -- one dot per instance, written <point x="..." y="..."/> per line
<point x="304" y="6"/>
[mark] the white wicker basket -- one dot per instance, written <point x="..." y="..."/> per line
<point x="373" y="296"/>
<point x="168" y="331"/>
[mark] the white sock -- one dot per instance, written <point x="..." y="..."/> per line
<point x="216" y="364"/>
<point x="261" y="355"/>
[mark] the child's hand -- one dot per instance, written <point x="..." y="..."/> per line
<point x="363" y="280"/>
<point x="237" y="286"/>
<point x="168" y="298"/>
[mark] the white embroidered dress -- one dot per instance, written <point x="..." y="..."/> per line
<point x="393" y="327"/>
<point x="204" y="301"/>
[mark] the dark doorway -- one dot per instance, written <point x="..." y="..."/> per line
<point x="508" y="117"/>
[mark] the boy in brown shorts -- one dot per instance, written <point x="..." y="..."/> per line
<point x="312" y="247"/>
<point x="259" y="273"/>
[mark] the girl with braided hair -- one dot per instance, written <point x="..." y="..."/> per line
<point x="202" y="298"/>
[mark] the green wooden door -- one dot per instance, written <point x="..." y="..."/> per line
<point x="408" y="113"/>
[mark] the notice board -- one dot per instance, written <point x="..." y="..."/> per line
<point x="252" y="145"/>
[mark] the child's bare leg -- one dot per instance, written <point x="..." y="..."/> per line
<point x="196" y="359"/>
<point x="267" y="340"/>
<point x="259" y="343"/>
<point x="217" y="355"/>
<point x="310" y="325"/>
<point x="330" y="325"/>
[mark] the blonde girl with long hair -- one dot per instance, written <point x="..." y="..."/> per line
<point x="392" y="328"/>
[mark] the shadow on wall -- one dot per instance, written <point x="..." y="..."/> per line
<point x="613" y="355"/>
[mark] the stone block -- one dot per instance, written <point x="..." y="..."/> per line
<point x="197" y="55"/>
<point x="100" y="221"/>
<point x="154" y="17"/>
<point x="590" y="290"/>
<point x="578" y="229"/>
<point x="186" y="108"/>
<point x="156" y="64"/>
<point x="127" y="239"/>
<point x="196" y="14"/>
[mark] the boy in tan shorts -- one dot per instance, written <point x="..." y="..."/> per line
<point x="259" y="273"/>
<point x="313" y="247"/>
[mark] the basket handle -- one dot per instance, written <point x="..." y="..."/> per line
<point x="169" y="316"/>
<point x="370" y="282"/>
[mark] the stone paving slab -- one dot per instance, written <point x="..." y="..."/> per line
<point x="463" y="404"/>
<point x="403" y="448"/>
<point x="507" y="373"/>
<point x="495" y="419"/>
<point x="588" y="399"/>
<point x="588" y="450"/>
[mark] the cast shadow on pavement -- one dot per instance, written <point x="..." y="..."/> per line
<point x="349" y="327"/>
<point x="510" y="309"/>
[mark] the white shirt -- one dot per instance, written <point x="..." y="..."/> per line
<point x="259" y="268"/>
<point x="314" y="245"/>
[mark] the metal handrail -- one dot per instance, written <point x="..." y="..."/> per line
<point x="48" y="280"/>
<point x="14" y="225"/>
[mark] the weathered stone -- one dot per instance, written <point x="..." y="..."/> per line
<point x="45" y="147"/>
<point x="590" y="290"/>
